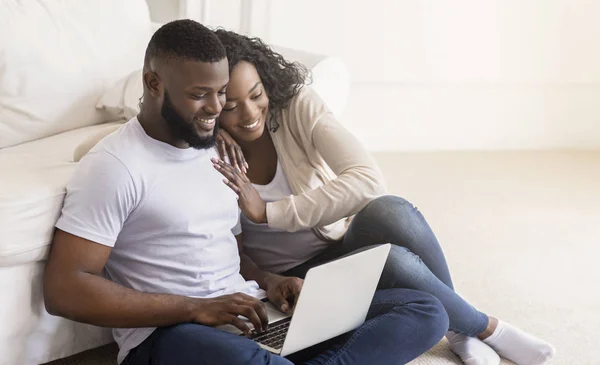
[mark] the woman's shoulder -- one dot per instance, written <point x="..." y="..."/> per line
<point x="305" y="109"/>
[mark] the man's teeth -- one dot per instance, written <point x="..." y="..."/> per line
<point x="207" y="121"/>
<point x="250" y="126"/>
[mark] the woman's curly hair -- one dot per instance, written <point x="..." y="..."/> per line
<point x="281" y="79"/>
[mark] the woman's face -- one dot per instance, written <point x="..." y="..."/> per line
<point x="245" y="111"/>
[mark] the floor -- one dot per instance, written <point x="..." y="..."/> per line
<point x="521" y="231"/>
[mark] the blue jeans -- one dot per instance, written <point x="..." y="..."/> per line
<point x="401" y="325"/>
<point x="416" y="260"/>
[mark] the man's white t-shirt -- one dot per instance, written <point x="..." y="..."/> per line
<point x="167" y="215"/>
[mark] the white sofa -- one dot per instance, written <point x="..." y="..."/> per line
<point x="57" y="59"/>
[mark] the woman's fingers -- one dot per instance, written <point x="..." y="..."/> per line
<point x="243" y="158"/>
<point x="232" y="186"/>
<point x="229" y="171"/>
<point x="232" y="156"/>
<point x="221" y="148"/>
<point x="240" y="159"/>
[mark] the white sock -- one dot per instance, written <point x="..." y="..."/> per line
<point x="471" y="350"/>
<point x="518" y="346"/>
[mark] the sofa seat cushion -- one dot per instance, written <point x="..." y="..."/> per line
<point x="33" y="177"/>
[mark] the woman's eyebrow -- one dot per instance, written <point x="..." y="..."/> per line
<point x="251" y="90"/>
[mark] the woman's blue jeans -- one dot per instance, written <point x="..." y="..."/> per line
<point x="416" y="260"/>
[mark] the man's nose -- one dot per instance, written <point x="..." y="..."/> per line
<point x="213" y="106"/>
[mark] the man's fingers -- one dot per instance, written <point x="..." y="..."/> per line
<point x="247" y="310"/>
<point x="239" y="323"/>
<point x="257" y="305"/>
<point x="261" y="310"/>
<point x="280" y="300"/>
<point x="292" y="291"/>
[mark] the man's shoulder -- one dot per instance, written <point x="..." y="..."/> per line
<point x="121" y="147"/>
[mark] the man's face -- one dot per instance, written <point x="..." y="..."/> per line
<point x="193" y="97"/>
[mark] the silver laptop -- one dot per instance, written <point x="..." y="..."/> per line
<point x="335" y="299"/>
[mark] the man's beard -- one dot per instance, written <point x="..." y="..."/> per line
<point x="181" y="129"/>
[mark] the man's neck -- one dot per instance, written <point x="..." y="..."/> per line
<point x="156" y="127"/>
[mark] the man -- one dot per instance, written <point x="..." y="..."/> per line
<point x="145" y="243"/>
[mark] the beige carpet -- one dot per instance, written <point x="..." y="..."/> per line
<point x="521" y="231"/>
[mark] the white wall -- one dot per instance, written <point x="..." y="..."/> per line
<point x="462" y="74"/>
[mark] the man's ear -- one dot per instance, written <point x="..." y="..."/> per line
<point x="152" y="83"/>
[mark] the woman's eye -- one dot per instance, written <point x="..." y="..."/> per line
<point x="198" y="97"/>
<point x="229" y="108"/>
<point x="256" y="96"/>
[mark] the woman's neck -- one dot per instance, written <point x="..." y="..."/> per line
<point x="262" y="145"/>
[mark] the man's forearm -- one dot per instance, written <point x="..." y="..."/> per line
<point x="92" y="299"/>
<point x="251" y="271"/>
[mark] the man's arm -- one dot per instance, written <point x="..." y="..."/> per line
<point x="249" y="269"/>
<point x="73" y="288"/>
<point x="282" y="291"/>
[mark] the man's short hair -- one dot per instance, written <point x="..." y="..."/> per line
<point x="184" y="40"/>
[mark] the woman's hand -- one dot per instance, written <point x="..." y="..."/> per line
<point x="249" y="201"/>
<point x="230" y="150"/>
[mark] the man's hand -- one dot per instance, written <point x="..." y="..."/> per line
<point x="226" y="309"/>
<point x="283" y="292"/>
<point x="249" y="201"/>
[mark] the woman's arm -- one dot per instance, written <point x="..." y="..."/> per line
<point x="358" y="180"/>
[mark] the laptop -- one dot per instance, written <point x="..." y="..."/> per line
<point x="335" y="299"/>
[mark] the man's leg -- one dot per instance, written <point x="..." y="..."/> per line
<point x="194" y="344"/>
<point x="401" y="325"/>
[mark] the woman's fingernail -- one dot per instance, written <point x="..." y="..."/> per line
<point x="216" y="166"/>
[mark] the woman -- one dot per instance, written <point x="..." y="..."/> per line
<point x="309" y="193"/>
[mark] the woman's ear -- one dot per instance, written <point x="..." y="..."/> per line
<point x="152" y="83"/>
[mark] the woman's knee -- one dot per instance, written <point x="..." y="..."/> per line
<point x="402" y="269"/>
<point x="430" y="312"/>
<point x="386" y="208"/>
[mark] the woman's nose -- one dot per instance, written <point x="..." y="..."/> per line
<point x="248" y="111"/>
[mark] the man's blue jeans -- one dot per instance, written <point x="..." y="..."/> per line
<point x="401" y="325"/>
<point x="416" y="260"/>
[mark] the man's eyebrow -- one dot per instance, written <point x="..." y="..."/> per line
<point x="251" y="90"/>
<point x="206" y="88"/>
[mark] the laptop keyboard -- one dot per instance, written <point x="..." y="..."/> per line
<point x="275" y="335"/>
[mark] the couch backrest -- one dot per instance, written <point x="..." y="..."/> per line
<point x="58" y="56"/>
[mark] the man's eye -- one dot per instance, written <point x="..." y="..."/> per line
<point x="229" y="108"/>
<point x="198" y="97"/>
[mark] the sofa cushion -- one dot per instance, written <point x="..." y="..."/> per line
<point x="57" y="57"/>
<point x="33" y="179"/>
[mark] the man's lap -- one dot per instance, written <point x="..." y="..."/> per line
<point x="193" y="343"/>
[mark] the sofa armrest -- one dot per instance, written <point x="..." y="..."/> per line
<point x="330" y="77"/>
